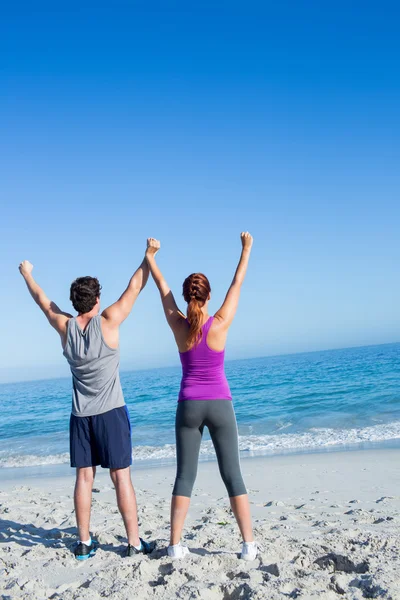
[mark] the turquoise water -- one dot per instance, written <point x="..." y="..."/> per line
<point x="296" y="402"/>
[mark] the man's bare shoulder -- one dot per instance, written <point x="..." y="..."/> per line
<point x="110" y="332"/>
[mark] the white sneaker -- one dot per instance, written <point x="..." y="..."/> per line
<point x="249" y="551"/>
<point x="177" y="551"/>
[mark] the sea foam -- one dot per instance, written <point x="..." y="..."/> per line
<point x="250" y="445"/>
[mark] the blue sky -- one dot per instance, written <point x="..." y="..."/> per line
<point x="191" y="122"/>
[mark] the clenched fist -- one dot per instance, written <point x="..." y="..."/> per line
<point x="25" y="267"/>
<point x="153" y="246"/>
<point x="247" y="240"/>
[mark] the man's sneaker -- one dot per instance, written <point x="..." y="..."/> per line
<point x="145" y="548"/>
<point x="249" y="551"/>
<point x="177" y="551"/>
<point x="83" y="552"/>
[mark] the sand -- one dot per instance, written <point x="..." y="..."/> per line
<point x="328" y="524"/>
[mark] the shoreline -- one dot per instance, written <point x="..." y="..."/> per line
<point x="64" y="469"/>
<point x="208" y="475"/>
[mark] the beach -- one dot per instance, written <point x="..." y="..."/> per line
<point x="327" y="523"/>
<point x="319" y="442"/>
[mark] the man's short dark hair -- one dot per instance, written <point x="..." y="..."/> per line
<point x="84" y="293"/>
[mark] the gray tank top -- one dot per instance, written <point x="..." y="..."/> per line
<point x="95" y="370"/>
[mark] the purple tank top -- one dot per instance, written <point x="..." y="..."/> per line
<point x="203" y="373"/>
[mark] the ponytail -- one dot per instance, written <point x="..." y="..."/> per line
<point x="196" y="291"/>
<point x="194" y="316"/>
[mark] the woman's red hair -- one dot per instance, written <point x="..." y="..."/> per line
<point x="196" y="291"/>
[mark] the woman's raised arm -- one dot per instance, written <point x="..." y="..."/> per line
<point x="228" y="309"/>
<point x="171" y="310"/>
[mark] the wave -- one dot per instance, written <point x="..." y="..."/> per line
<point x="31" y="460"/>
<point x="250" y="445"/>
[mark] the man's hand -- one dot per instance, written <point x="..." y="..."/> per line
<point x="247" y="240"/>
<point x="153" y="247"/>
<point x="25" y="268"/>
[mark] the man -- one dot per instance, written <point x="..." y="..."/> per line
<point x="99" y="425"/>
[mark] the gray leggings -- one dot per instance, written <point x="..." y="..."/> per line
<point x="219" y="417"/>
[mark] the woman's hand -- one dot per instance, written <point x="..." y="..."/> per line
<point x="247" y="240"/>
<point x="153" y="247"/>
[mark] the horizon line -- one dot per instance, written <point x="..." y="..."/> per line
<point x="283" y="354"/>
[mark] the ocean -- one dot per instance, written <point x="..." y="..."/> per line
<point x="316" y="401"/>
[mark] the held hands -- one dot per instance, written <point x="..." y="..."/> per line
<point x="25" y="268"/>
<point x="247" y="240"/>
<point x="153" y="247"/>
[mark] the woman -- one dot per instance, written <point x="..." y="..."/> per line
<point x="204" y="398"/>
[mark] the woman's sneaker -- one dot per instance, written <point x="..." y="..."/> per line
<point x="177" y="551"/>
<point x="249" y="551"/>
<point x="83" y="551"/>
<point x="145" y="548"/>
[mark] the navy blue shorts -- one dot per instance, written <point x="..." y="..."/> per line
<point x="101" y="440"/>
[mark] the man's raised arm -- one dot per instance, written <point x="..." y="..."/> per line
<point x="56" y="317"/>
<point x="119" y="311"/>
